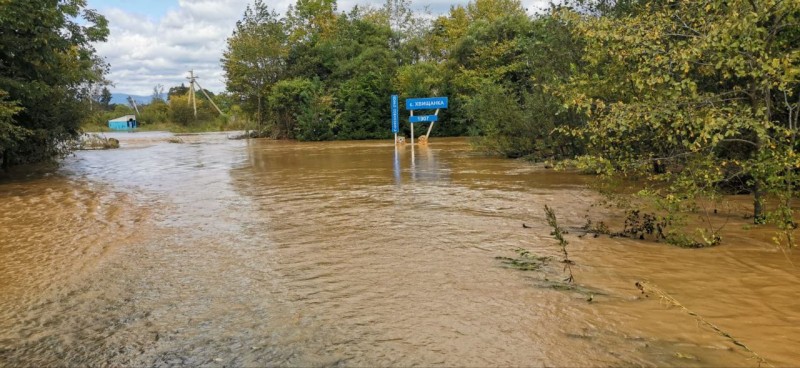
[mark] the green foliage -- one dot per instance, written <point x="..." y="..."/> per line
<point x="420" y="79"/>
<point x="315" y="117"/>
<point x="358" y="59"/>
<point x="505" y="128"/>
<point x="287" y="100"/>
<point x="687" y="93"/>
<point x="181" y="111"/>
<point x="694" y="98"/>
<point x="311" y="19"/>
<point x="177" y="91"/>
<point x="10" y="133"/>
<point x="48" y="64"/>
<point x="255" y="58"/>
<point x="505" y="67"/>
<point x="105" y="98"/>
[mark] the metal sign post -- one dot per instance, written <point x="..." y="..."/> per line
<point x="429" y="103"/>
<point x="436" y="117"/>
<point x="395" y="117"/>
<point x="412" y="129"/>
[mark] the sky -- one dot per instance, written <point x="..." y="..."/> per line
<point x="156" y="42"/>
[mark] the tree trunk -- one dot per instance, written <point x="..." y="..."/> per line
<point x="758" y="203"/>
<point x="758" y="185"/>
<point x="4" y="160"/>
<point x="259" y="114"/>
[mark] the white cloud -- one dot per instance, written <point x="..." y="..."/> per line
<point x="144" y="52"/>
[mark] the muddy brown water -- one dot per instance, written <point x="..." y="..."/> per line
<point x="220" y="252"/>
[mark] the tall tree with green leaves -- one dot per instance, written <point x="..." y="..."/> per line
<point x="105" y="98"/>
<point x="46" y="62"/>
<point x="353" y="63"/>
<point x="255" y="58"/>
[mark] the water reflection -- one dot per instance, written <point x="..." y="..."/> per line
<point x="397" y="173"/>
<point x="427" y="166"/>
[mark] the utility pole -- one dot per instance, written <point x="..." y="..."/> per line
<point x="192" y="101"/>
<point x="192" y="81"/>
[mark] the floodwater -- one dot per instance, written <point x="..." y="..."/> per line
<point x="221" y="252"/>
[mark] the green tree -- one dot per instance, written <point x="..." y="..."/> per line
<point x="287" y="100"/>
<point x="46" y="61"/>
<point x="704" y="91"/>
<point x="177" y="91"/>
<point x="105" y="98"/>
<point x="546" y="56"/>
<point x="497" y="51"/>
<point x="255" y="58"/>
<point x="354" y="65"/>
<point x="315" y="118"/>
<point x="181" y="111"/>
<point x="308" y="20"/>
<point x="361" y="77"/>
<point x="301" y="110"/>
<point x="157" y="111"/>
<point x="10" y="133"/>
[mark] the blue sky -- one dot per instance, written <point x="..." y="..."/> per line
<point x="156" y="42"/>
<point x="154" y="9"/>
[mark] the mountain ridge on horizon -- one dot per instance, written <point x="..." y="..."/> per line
<point x="122" y="98"/>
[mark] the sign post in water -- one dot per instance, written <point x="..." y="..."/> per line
<point x="429" y="103"/>
<point x="395" y="116"/>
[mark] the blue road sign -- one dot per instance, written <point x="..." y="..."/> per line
<point x="423" y="119"/>
<point x="395" y="114"/>
<point x="430" y="103"/>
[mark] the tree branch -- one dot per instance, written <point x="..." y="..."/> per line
<point x="754" y="144"/>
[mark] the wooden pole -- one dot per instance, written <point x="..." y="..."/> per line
<point x="135" y="108"/>
<point x="209" y="98"/>
<point x="191" y="83"/>
<point x="192" y="99"/>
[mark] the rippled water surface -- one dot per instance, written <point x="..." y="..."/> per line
<point x="226" y="252"/>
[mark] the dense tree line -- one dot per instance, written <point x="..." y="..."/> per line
<point x="317" y="73"/>
<point x="48" y="68"/>
<point x="699" y="97"/>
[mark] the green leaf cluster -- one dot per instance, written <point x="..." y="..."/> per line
<point x="356" y="60"/>
<point x="48" y="67"/>
<point x="697" y="95"/>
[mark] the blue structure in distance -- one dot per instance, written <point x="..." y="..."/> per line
<point x="423" y="119"/>
<point x="430" y="103"/>
<point x="127" y="122"/>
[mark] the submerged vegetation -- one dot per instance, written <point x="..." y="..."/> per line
<point x="526" y="261"/>
<point x="558" y="233"/>
<point x="648" y="288"/>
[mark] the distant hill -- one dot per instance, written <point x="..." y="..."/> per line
<point x="122" y="98"/>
